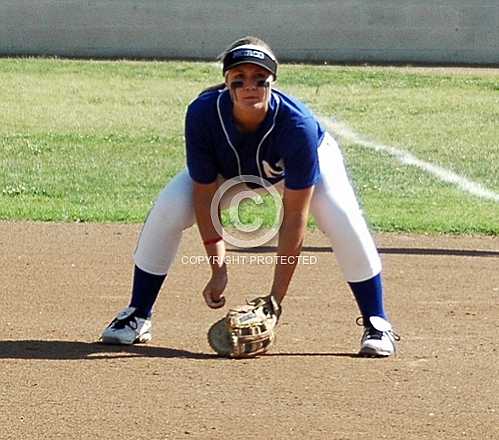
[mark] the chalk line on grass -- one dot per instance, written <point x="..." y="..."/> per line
<point x="406" y="158"/>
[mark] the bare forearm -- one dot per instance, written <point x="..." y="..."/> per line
<point x="290" y="242"/>
<point x="213" y="243"/>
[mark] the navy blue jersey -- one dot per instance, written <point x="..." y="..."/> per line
<point x="284" y="146"/>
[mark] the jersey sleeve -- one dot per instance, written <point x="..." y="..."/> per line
<point x="199" y="152"/>
<point x="301" y="161"/>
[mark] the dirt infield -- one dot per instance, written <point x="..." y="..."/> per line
<point x="60" y="284"/>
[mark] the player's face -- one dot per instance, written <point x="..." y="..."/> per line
<point x="249" y="86"/>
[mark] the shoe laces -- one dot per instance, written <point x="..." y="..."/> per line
<point x="372" y="333"/>
<point x="129" y="321"/>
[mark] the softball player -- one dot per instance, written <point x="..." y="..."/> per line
<point x="246" y="127"/>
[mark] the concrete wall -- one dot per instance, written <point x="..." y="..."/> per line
<point x="412" y="31"/>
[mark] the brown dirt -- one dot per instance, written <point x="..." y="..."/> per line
<point x="60" y="284"/>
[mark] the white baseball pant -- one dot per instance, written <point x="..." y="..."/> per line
<point x="333" y="205"/>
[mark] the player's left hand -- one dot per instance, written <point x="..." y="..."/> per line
<point x="213" y="292"/>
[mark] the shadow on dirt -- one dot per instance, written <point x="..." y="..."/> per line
<point x="349" y="355"/>
<point x="75" y="350"/>
<point x="396" y="251"/>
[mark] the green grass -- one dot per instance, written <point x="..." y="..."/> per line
<point x="96" y="141"/>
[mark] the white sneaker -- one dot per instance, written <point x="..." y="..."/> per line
<point x="378" y="339"/>
<point x="127" y="329"/>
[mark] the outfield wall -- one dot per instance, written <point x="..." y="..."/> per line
<point x="378" y="31"/>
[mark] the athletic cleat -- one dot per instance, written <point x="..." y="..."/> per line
<point x="378" y="339"/>
<point x="127" y="329"/>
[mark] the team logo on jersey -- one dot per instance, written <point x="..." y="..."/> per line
<point x="272" y="172"/>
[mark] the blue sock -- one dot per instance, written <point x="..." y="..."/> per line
<point x="145" y="290"/>
<point x="369" y="297"/>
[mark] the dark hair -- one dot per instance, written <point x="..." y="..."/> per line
<point x="220" y="86"/>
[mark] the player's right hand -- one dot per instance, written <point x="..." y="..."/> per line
<point x="213" y="292"/>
